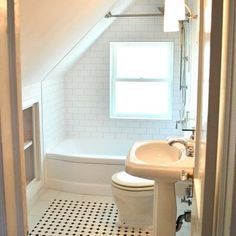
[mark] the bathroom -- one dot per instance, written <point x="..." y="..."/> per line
<point x="79" y="135"/>
<point x="96" y="114"/>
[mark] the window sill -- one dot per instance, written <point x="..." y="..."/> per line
<point x="166" y="118"/>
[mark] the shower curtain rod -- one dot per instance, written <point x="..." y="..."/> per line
<point x="109" y="15"/>
<point x="189" y="14"/>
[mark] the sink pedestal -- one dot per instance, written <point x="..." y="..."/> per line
<point x="164" y="163"/>
<point x="164" y="214"/>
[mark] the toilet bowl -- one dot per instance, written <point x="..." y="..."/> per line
<point x="133" y="197"/>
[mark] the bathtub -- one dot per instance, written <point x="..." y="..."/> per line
<point x="85" y="166"/>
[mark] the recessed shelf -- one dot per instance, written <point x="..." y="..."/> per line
<point x="27" y="144"/>
<point x="30" y="118"/>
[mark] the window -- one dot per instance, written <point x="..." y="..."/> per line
<point x="141" y="76"/>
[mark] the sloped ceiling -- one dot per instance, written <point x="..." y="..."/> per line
<point x="51" y="28"/>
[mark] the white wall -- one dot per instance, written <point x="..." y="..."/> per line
<point x="87" y="83"/>
<point x="53" y="110"/>
<point x="50" y="29"/>
<point x="31" y="94"/>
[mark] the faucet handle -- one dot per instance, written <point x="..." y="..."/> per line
<point x="190" y="149"/>
<point x="192" y="137"/>
<point x="185" y="175"/>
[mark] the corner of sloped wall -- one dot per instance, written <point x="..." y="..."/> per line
<point x="51" y="29"/>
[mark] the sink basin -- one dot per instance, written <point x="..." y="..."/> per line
<point x="164" y="163"/>
<point x="158" y="160"/>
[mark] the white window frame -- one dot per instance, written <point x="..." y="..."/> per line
<point x="113" y="80"/>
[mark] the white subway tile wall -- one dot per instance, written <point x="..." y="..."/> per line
<point x="86" y="85"/>
<point x="53" y="111"/>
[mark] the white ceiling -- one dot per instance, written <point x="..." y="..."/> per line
<point x="51" y="29"/>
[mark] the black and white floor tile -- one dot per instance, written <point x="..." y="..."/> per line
<point x="82" y="218"/>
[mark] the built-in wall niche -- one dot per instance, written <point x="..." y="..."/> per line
<point x="31" y="143"/>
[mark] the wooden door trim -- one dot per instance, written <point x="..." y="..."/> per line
<point x="218" y="199"/>
<point x="3" y="229"/>
<point x="213" y="118"/>
<point x="225" y="181"/>
<point x="11" y="122"/>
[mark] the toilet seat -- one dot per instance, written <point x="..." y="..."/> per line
<point x="124" y="181"/>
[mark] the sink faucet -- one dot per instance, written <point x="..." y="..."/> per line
<point x="171" y="141"/>
<point x="189" y="147"/>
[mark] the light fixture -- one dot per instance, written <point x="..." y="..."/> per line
<point x="174" y="12"/>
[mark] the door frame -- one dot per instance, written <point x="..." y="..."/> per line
<point x="209" y="77"/>
<point x="12" y="178"/>
<point x="218" y="210"/>
<point x="225" y="198"/>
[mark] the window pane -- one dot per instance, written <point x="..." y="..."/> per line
<point x="144" y="60"/>
<point x="142" y="98"/>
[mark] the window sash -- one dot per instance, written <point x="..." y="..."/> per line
<point x="133" y="115"/>
<point x="113" y="79"/>
<point x="113" y="56"/>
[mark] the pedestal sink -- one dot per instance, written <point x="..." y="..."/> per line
<point x="164" y="163"/>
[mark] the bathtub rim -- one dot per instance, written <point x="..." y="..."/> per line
<point x="88" y="158"/>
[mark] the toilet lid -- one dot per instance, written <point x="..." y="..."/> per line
<point x="126" y="180"/>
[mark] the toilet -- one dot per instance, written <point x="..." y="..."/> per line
<point x="133" y="197"/>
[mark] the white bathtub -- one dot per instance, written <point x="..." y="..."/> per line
<point x="85" y="166"/>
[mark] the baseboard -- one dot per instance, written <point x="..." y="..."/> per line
<point x="33" y="192"/>
<point x="79" y="188"/>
